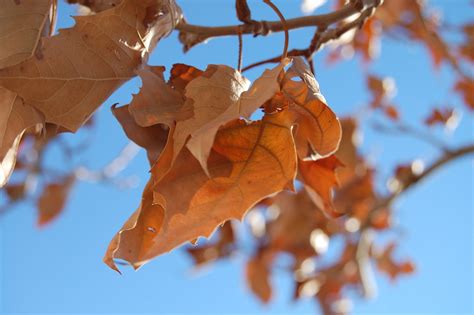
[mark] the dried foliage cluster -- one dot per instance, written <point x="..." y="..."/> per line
<point x="295" y="170"/>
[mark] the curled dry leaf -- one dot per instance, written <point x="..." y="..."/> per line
<point x="297" y="218"/>
<point x="53" y="199"/>
<point x="222" y="247"/>
<point x="318" y="129"/>
<point x="230" y="98"/>
<point x="228" y="165"/>
<point x="75" y="71"/>
<point x="152" y="139"/>
<point x="319" y="178"/>
<point x="21" y="27"/>
<point x="136" y="237"/>
<point x="15" y="118"/>
<point x="248" y="163"/>
<point x="254" y="161"/>
<point x="158" y="102"/>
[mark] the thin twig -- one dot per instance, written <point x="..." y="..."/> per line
<point x="239" y="60"/>
<point x="322" y="36"/>
<point x="446" y="158"/>
<point x="285" y="26"/>
<point x="412" y="131"/>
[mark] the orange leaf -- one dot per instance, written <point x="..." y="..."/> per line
<point x="53" y="199"/>
<point x="318" y="128"/>
<point x="136" y="237"/>
<point x="158" y="102"/>
<point x="319" y="178"/>
<point x="152" y="138"/>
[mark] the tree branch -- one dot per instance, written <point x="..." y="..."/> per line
<point x="446" y="158"/>
<point x="191" y="35"/>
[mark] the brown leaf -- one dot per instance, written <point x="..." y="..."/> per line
<point x="258" y="275"/>
<point x="210" y="95"/>
<point x="318" y="129"/>
<point x="466" y="89"/>
<point x="439" y="116"/>
<point x="158" y="102"/>
<point x="319" y="178"/>
<point x="152" y="138"/>
<point x="391" y="112"/>
<point x="136" y="236"/>
<point x="79" y="68"/>
<point x="228" y="98"/>
<point x="385" y="262"/>
<point x="298" y="217"/>
<point x="181" y="75"/>
<point x="222" y="247"/>
<point x="53" y="199"/>
<point x="248" y="163"/>
<point x="15" y="118"/>
<point x="243" y="11"/>
<point x="21" y="27"/>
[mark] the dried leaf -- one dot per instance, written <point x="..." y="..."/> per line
<point x="75" y="71"/>
<point x="15" y="118"/>
<point x="243" y="11"/>
<point x="136" y="237"/>
<point x="53" y="199"/>
<point x="386" y="263"/>
<point x="440" y="116"/>
<point x="152" y="138"/>
<point x="211" y="95"/>
<point x="158" y="102"/>
<point x="248" y="163"/>
<point x="318" y="129"/>
<point x="466" y="89"/>
<point x="258" y="275"/>
<point x="222" y="247"/>
<point x="21" y="27"/>
<point x="319" y="178"/>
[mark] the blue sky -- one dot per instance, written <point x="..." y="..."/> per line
<point x="59" y="269"/>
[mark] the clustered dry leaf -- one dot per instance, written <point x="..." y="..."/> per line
<point x="219" y="161"/>
<point x="219" y="146"/>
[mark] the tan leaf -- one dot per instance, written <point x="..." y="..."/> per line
<point x="210" y="95"/>
<point x="136" y="237"/>
<point x="152" y="138"/>
<point x="298" y="217"/>
<point x="21" y="27"/>
<point x="75" y="71"/>
<point x="53" y="199"/>
<point x="318" y="130"/>
<point x="319" y="178"/>
<point x="15" y="118"/>
<point x="249" y="162"/>
<point x="157" y="102"/>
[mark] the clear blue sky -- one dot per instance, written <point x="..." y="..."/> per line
<point x="59" y="269"/>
